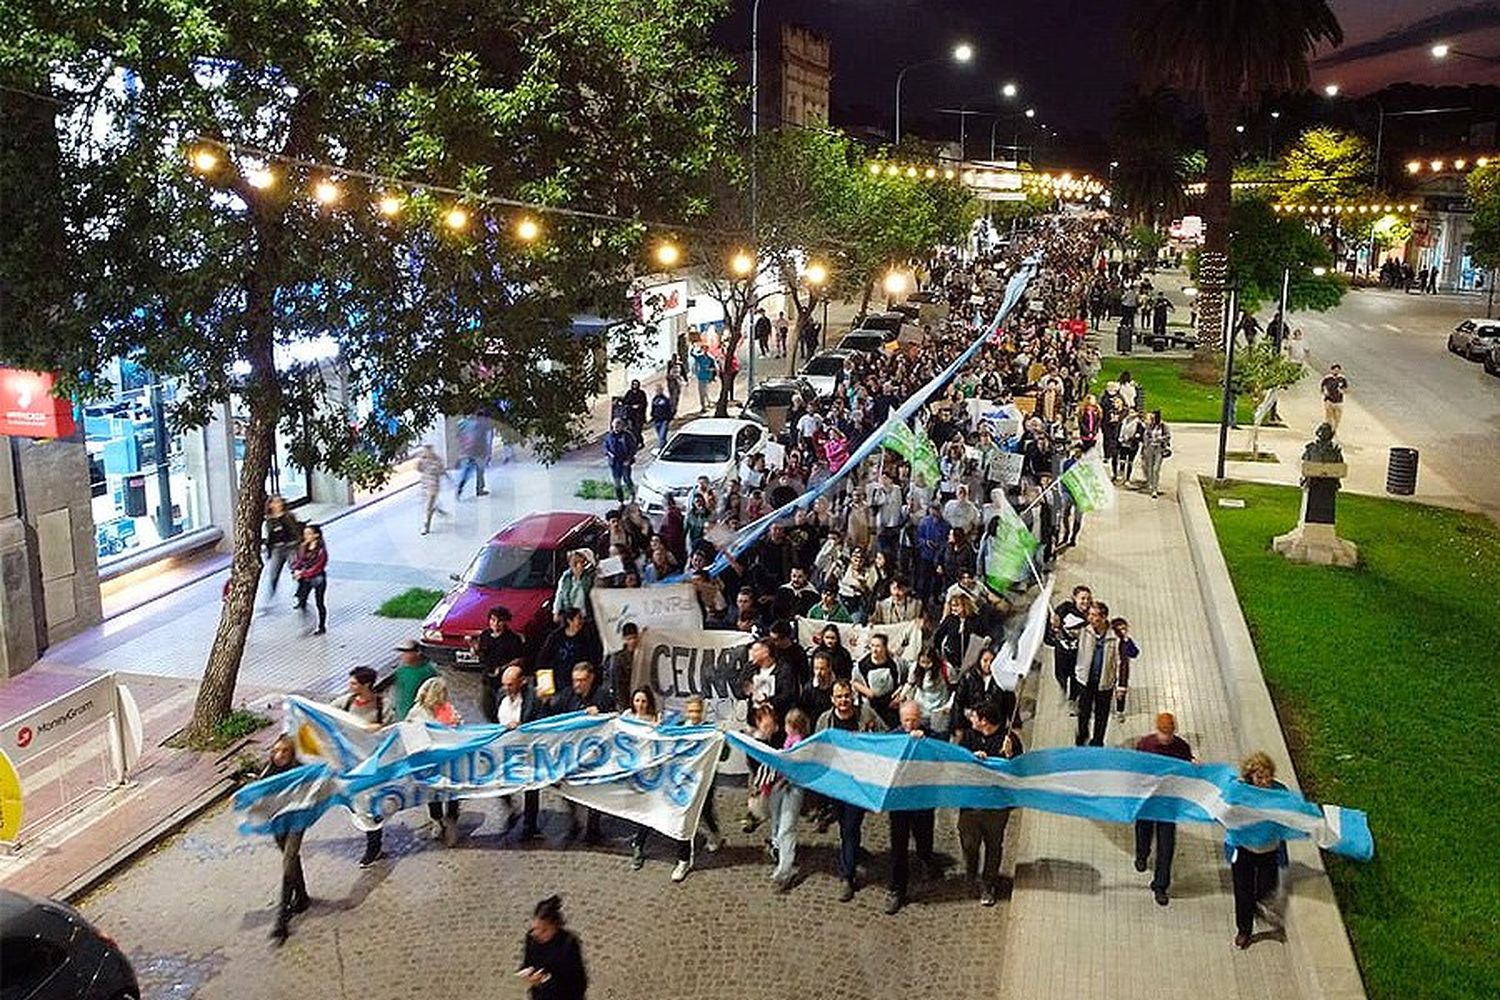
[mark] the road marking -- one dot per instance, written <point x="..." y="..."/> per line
<point x="1391" y="327"/>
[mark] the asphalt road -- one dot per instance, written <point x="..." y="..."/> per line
<point x="1393" y="348"/>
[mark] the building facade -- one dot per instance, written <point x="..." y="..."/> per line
<point x="804" y="77"/>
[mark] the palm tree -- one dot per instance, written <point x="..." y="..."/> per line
<point x="1149" y="181"/>
<point x="1221" y="51"/>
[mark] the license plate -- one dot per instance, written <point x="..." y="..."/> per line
<point x="467" y="656"/>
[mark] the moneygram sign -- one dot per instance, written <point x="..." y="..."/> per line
<point x="48" y="726"/>
<point x="28" y="408"/>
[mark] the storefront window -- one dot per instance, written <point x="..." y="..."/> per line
<point x="143" y="493"/>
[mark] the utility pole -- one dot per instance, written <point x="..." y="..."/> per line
<point x="1226" y="412"/>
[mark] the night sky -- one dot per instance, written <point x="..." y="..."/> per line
<point x="1068" y="56"/>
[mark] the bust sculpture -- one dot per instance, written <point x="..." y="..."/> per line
<point x="1323" y="448"/>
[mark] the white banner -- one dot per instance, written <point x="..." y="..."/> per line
<point x="1015" y="657"/>
<point x="665" y="605"/>
<point x="679" y="664"/>
<point x="1004" y="418"/>
<point x="904" y="638"/>
<point x="657" y="776"/>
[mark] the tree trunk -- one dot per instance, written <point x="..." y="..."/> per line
<point x="864" y="302"/>
<point x="731" y="349"/>
<point x="1213" y="267"/>
<point x="263" y="397"/>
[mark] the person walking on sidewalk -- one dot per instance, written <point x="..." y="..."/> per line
<point x="283" y="532"/>
<point x="476" y="435"/>
<point x="368" y="706"/>
<point x="431" y="472"/>
<point x="310" y="570"/>
<point x="704" y="370"/>
<point x="434" y="706"/>
<point x="1334" y="386"/>
<point x="762" y="330"/>
<point x="1156" y="447"/>
<point x="1165" y="741"/>
<point x="782" y="326"/>
<point x="1064" y="625"/>
<point x="662" y="410"/>
<point x="990" y="736"/>
<point x="620" y="446"/>
<point x="1254" y="864"/>
<point x="293" y="884"/>
<point x="412" y="671"/>
<point x="1100" y="651"/>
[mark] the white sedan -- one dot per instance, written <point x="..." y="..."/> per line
<point x="711" y="447"/>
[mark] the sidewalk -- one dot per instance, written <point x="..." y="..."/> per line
<point x="1082" y="921"/>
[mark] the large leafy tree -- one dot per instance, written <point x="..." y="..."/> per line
<point x="1325" y="164"/>
<point x="220" y="276"/>
<point x="1484" y="192"/>
<point x="1266" y="244"/>
<point x="1222" y="51"/>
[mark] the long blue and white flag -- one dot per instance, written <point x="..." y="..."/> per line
<point x="893" y="771"/>
<point x="657" y="776"/>
<point x="748" y="535"/>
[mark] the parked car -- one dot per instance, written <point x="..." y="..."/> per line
<point x="48" y="951"/>
<point x="866" y="341"/>
<point x="776" y="393"/>
<point x="517" y="569"/>
<point x="826" y="370"/>
<point x="709" y="446"/>
<point x="1492" y="360"/>
<point x="897" y="326"/>
<point x="1473" y="338"/>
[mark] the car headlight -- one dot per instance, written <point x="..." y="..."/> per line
<point x="432" y="634"/>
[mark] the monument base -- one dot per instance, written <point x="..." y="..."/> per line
<point x="1318" y="544"/>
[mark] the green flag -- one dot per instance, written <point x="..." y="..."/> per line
<point x="1011" y="548"/>
<point x="1088" y="482"/>
<point x="916" y="449"/>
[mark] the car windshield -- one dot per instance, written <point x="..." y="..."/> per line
<point x="824" y="366"/>
<point x="698" y="448"/>
<point x="762" y="398"/>
<point x="863" y="340"/>
<point x="891" y="323"/>
<point x="509" y="567"/>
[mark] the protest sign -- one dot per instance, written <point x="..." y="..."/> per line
<point x="903" y="638"/>
<point x="667" y="605"/>
<point x="656" y="776"/>
<point x="679" y="664"/>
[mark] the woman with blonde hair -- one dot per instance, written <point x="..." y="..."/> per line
<point x="1090" y="420"/>
<point x="1254" y="864"/>
<point x="433" y="706"/>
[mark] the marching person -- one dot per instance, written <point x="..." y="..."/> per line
<point x="1156" y="446"/>
<point x="1064" y="625"/>
<point x="1100" y="652"/>
<point x="786" y="806"/>
<point x="366" y="704"/>
<point x="495" y="648"/>
<point x="585" y="694"/>
<point x="515" y="706"/>
<point x="909" y="824"/>
<point x="1165" y="741"/>
<point x="848" y="716"/>
<point x="293" y="886"/>
<point x="433" y="706"/>
<point x="1254" y="865"/>
<point x="989" y="736"/>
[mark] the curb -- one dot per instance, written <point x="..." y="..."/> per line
<point x="1317" y="941"/>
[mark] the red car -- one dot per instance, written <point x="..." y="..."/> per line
<point x="517" y="569"/>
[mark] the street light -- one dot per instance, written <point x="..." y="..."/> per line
<point x="962" y="53"/>
<point x="1009" y="90"/>
<point x="1028" y="113"/>
<point x="1332" y="90"/>
<point x="667" y="254"/>
<point x="742" y="264"/>
<point x="1443" y="50"/>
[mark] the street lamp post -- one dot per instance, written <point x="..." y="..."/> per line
<point x="1028" y="113"/>
<point x="961" y="53"/>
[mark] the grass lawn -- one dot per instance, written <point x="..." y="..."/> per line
<point x="1385" y="679"/>
<point x="1180" y="399"/>
<point x="413" y="603"/>
<point x="595" y="489"/>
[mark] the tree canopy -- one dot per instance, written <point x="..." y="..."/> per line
<point x="1484" y="192"/>
<point x="1264" y="244"/>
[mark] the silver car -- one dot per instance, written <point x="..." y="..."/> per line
<point x="1473" y="338"/>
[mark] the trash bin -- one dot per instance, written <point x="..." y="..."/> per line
<point x="1401" y="473"/>
<point x="1124" y="339"/>
<point x="135" y="496"/>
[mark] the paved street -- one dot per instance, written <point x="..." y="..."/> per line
<point x="1393" y="350"/>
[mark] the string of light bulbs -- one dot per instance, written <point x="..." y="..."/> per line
<point x="1354" y="208"/>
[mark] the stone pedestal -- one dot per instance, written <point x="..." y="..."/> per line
<point x="1314" y="539"/>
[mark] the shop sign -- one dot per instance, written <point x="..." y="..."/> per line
<point x="660" y="302"/>
<point x="28" y="408"/>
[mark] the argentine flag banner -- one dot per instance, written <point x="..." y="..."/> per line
<point x="658" y="776"/>
<point x="895" y="771"/>
<point x="1088" y="482"/>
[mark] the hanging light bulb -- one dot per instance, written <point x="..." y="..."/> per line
<point x="528" y="230"/>
<point x="390" y="205"/>
<point x="260" y="178"/>
<point x="667" y="254"/>
<point x="203" y="159"/>
<point x="326" y="192"/>
<point x="456" y="218"/>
